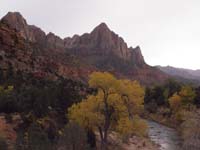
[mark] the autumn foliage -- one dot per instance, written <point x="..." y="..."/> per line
<point x="114" y="106"/>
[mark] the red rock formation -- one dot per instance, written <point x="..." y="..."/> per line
<point x="54" y="42"/>
<point x="32" y="33"/>
<point x="101" y="41"/>
<point x="28" y="48"/>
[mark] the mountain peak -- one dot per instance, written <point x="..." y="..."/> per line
<point x="102" y="27"/>
<point x="136" y="56"/>
<point x="13" y="14"/>
<point x="14" y="20"/>
<point x="100" y="50"/>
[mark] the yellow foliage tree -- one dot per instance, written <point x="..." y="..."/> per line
<point x="182" y="102"/>
<point x="187" y="95"/>
<point x="175" y="102"/>
<point x="114" y="107"/>
<point x="184" y="98"/>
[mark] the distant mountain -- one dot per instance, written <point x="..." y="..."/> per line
<point x="183" y="73"/>
<point x="27" y="48"/>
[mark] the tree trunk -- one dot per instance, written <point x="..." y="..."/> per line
<point x="105" y="141"/>
<point x="104" y="145"/>
<point x="104" y="131"/>
<point x="103" y="137"/>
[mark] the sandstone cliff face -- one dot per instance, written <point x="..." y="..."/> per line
<point x="36" y="35"/>
<point x="137" y="57"/>
<point x="109" y="42"/>
<point x="54" y="42"/>
<point x="101" y="41"/>
<point x="17" y="53"/>
<point x="32" y="33"/>
<point x="28" y="48"/>
<point x="16" y="22"/>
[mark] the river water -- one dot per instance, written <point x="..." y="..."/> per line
<point x="166" y="137"/>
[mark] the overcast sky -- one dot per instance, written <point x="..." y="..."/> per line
<point x="168" y="31"/>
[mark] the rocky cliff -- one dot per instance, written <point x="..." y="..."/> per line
<point x="26" y="47"/>
<point x="103" y="42"/>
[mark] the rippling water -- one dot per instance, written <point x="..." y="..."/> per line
<point x="167" y="138"/>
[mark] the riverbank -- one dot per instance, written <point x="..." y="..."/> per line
<point x="138" y="143"/>
<point x="134" y="143"/>
<point x="159" y="118"/>
<point x="167" y="138"/>
<point x="160" y="137"/>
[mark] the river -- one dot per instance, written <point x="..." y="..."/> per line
<point x="166" y="137"/>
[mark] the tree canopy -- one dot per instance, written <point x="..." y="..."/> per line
<point x="113" y="107"/>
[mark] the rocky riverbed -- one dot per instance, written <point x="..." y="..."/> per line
<point x="167" y="138"/>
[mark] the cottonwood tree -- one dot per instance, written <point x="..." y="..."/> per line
<point x="114" y="107"/>
<point x="187" y="95"/>
<point x="175" y="102"/>
<point x="182" y="103"/>
<point x="183" y="100"/>
<point x="188" y="116"/>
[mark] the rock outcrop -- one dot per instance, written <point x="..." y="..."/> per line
<point x="27" y="48"/>
<point x="54" y="42"/>
<point x="102" y="41"/>
<point x="31" y="33"/>
<point x="16" y="22"/>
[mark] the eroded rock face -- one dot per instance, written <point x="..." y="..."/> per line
<point x="109" y="42"/>
<point x="54" y="42"/>
<point x="101" y="41"/>
<point x="28" y="48"/>
<point x="101" y="44"/>
<point x="36" y="35"/>
<point x="21" y="55"/>
<point x="136" y="56"/>
<point x="31" y="33"/>
<point x="16" y="22"/>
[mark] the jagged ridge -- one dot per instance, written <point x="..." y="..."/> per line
<point x="101" y="49"/>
